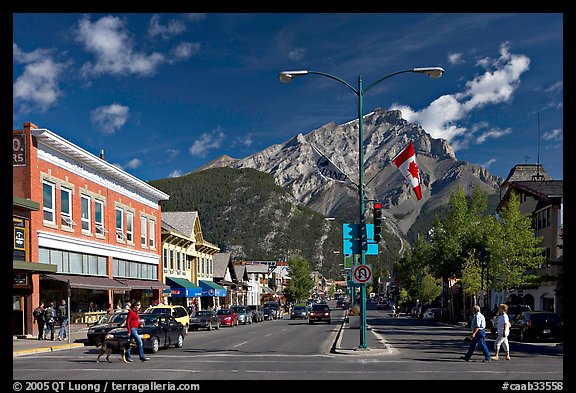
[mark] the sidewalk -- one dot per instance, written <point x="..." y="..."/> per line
<point x="27" y="345"/>
<point x="348" y="342"/>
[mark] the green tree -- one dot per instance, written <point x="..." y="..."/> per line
<point x="301" y="283"/>
<point x="430" y="288"/>
<point x="514" y="251"/>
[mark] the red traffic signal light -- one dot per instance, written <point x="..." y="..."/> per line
<point x="377" y="221"/>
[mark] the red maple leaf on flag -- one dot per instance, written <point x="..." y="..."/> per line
<point x="413" y="169"/>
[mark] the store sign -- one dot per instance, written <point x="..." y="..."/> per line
<point x="20" y="279"/>
<point x="18" y="150"/>
<point x="19" y="236"/>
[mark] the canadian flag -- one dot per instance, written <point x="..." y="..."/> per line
<point x="406" y="162"/>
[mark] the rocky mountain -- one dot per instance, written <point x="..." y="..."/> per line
<point x="385" y="133"/>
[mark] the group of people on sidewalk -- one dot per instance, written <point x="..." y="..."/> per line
<point x="47" y="318"/>
<point x="478" y="336"/>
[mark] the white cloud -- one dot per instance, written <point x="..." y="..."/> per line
<point x="297" y="54"/>
<point x="488" y="163"/>
<point x="455" y="58"/>
<point x="184" y="50"/>
<point x="19" y="56"/>
<point x="37" y="87"/>
<point x="134" y="163"/>
<point x="493" y="133"/>
<point x="173" y="28"/>
<point x="175" y="173"/>
<point x="554" y="135"/>
<point x="109" y="41"/>
<point x="172" y="153"/>
<point x="496" y="85"/>
<point x="110" y="118"/>
<point x="207" y="141"/>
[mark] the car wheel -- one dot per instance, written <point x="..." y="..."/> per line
<point x="180" y="341"/>
<point x="310" y="322"/>
<point x="209" y="327"/>
<point x="328" y="322"/>
<point x="155" y="344"/>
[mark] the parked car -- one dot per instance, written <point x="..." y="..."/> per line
<point x="97" y="332"/>
<point x="319" y="313"/>
<point x="257" y="315"/>
<point x="533" y="325"/>
<point x="204" y="319"/>
<point x="244" y="314"/>
<point x="512" y="311"/>
<point x="178" y="312"/>
<point x="299" y="312"/>
<point x="228" y="317"/>
<point x="267" y="313"/>
<point x="432" y="314"/>
<point x="276" y="309"/>
<point x="157" y="330"/>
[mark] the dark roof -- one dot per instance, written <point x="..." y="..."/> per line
<point x="544" y="191"/>
<point x="526" y="172"/>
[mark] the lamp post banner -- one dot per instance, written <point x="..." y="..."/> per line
<point x="327" y="168"/>
<point x="406" y="162"/>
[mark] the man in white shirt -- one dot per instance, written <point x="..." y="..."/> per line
<point x="478" y="336"/>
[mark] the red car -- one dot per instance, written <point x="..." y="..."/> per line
<point x="227" y="316"/>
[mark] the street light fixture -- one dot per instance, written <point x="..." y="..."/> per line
<point x="287" y="76"/>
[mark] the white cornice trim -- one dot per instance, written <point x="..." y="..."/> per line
<point x="60" y="242"/>
<point x="84" y="158"/>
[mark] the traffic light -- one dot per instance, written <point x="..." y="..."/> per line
<point x="377" y="222"/>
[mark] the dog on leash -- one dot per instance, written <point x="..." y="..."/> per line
<point x="105" y="349"/>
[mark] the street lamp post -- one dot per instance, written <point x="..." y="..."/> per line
<point x="287" y="76"/>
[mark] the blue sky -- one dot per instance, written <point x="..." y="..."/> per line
<point x="163" y="94"/>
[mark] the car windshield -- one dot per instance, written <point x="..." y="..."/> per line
<point x="202" y="313"/>
<point x="223" y="312"/>
<point x="157" y="310"/>
<point x="299" y="308"/>
<point x="320" y="307"/>
<point x="118" y="318"/>
<point x="151" y="319"/>
<point x="239" y="310"/>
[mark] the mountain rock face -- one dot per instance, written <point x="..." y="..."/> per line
<point x="385" y="133"/>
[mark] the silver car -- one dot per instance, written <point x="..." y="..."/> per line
<point x="244" y="314"/>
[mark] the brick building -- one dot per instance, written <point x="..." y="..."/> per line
<point x="96" y="224"/>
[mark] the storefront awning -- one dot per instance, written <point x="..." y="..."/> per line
<point x="34" y="267"/>
<point x="210" y="288"/>
<point x="88" y="282"/>
<point x="267" y="291"/>
<point x="133" y="283"/>
<point x="181" y="287"/>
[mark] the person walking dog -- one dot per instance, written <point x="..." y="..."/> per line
<point x="503" y="331"/>
<point x="478" y="336"/>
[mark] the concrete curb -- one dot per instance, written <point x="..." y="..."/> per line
<point x="53" y="348"/>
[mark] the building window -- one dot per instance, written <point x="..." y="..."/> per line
<point x="48" y="202"/>
<point x="119" y="225"/>
<point x="99" y="217"/>
<point x="85" y="203"/>
<point x="152" y="233"/>
<point x="66" y="207"/>
<point x="129" y="227"/>
<point x="202" y="265"/>
<point x="172" y="260"/>
<point x="178" y="260"/>
<point x="143" y="227"/>
<point x="165" y="261"/>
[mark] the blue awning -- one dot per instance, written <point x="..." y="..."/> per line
<point x="181" y="287"/>
<point x="210" y="288"/>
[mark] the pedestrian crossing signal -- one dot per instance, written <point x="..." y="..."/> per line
<point x="377" y="222"/>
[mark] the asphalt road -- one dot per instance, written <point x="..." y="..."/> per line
<point x="294" y="350"/>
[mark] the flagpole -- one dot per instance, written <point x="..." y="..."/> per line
<point x="362" y="241"/>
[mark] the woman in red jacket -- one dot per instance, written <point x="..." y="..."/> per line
<point x="132" y="322"/>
